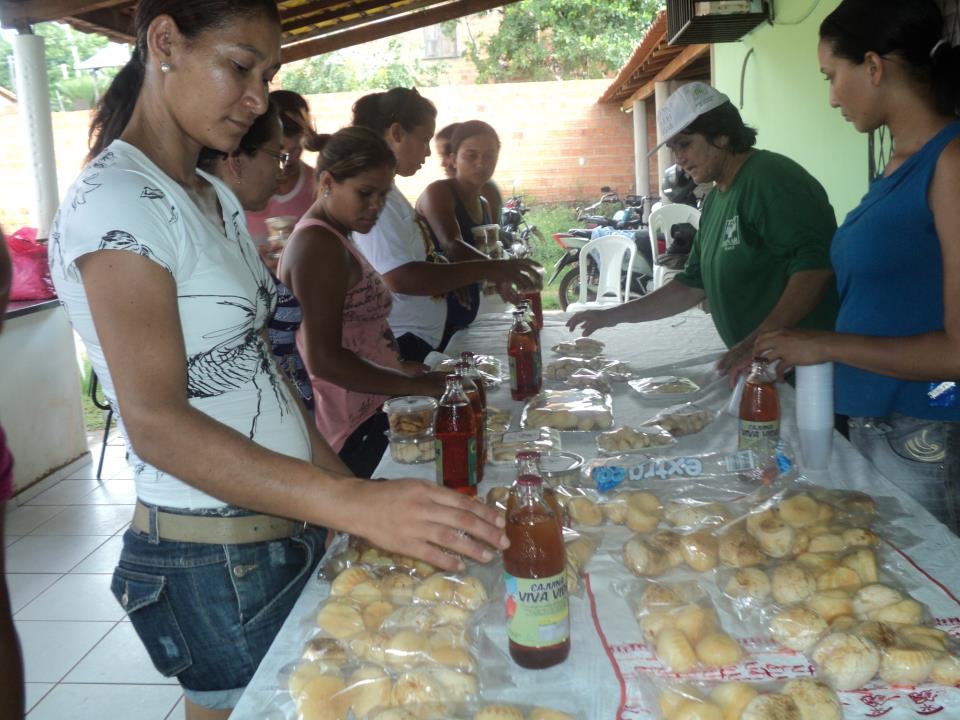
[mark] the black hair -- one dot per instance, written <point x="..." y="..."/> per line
<point x="444" y="136"/>
<point x="192" y="17"/>
<point x="468" y="129"/>
<point x="912" y="30"/>
<point x="294" y="112"/>
<point x="378" y="111"/>
<point x="724" y="121"/>
<point x="257" y="136"/>
<point x="350" y="151"/>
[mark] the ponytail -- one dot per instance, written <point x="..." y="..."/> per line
<point x="116" y="106"/>
<point x="378" y="111"/>
<point x="945" y="78"/>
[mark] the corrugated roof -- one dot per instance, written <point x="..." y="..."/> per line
<point x="310" y="27"/>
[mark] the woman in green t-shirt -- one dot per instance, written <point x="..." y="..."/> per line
<point x="761" y="257"/>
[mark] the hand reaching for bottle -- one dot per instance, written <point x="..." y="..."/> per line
<point x="420" y="519"/>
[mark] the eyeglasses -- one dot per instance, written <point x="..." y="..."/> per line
<point x="282" y="158"/>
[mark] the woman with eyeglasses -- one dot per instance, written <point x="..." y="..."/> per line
<point x="294" y="192"/>
<point x="252" y="172"/>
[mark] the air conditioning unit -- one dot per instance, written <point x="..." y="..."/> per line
<point x="713" y="21"/>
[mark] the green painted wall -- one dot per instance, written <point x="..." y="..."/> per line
<point x="786" y="98"/>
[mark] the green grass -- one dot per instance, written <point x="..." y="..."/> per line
<point x="549" y="219"/>
<point x="93" y="417"/>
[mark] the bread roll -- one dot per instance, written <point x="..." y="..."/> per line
<point x="906" y="612"/>
<point x="790" y="584"/>
<point x="583" y="511"/>
<point x="797" y="628"/>
<point x="946" y="670"/>
<point x="846" y="661"/>
<point x="733" y="697"/>
<point x="906" y="666"/>
<point x="771" y="707"/>
<point x="800" y="511"/>
<point x="748" y="584"/>
<point x="699" y="550"/>
<point x="641" y="559"/>
<point x="737" y="548"/>
<point x="675" y="652"/>
<point x="871" y="598"/>
<point x="813" y="699"/>
<point x="369" y="687"/>
<point x="340" y="619"/>
<point x="695" y="622"/>
<point x="719" y="650"/>
<point x="831" y="604"/>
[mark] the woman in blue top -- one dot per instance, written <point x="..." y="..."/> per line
<point x="897" y="255"/>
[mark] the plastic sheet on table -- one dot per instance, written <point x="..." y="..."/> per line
<point x="668" y="388"/>
<point x="504" y="448"/>
<point x="625" y="440"/>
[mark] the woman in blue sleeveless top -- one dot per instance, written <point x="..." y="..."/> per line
<point x="897" y="255"/>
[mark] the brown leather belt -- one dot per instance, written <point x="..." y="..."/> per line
<point x="214" y="530"/>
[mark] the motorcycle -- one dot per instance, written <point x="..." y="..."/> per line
<point x="630" y="220"/>
<point x="515" y="232"/>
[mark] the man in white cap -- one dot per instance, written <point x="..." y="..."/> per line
<point x="761" y="256"/>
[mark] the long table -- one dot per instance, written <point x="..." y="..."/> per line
<point x="610" y="665"/>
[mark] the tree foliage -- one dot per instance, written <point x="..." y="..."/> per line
<point x="561" y="39"/>
<point x="336" y="72"/>
<point x="64" y="48"/>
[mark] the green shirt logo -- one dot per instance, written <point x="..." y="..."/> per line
<point x="731" y="233"/>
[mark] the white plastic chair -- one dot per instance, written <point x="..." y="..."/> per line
<point x="608" y="252"/>
<point x="662" y="220"/>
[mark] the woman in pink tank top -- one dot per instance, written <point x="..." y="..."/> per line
<point x="344" y="338"/>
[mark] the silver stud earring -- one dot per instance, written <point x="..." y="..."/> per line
<point x="326" y="193"/>
<point x="164" y="67"/>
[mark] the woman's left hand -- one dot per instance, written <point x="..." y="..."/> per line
<point x="793" y="347"/>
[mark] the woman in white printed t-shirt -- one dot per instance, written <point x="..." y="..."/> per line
<point x="401" y="248"/>
<point x="153" y="263"/>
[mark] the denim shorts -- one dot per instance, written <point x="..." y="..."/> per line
<point x="207" y="614"/>
<point x="921" y="457"/>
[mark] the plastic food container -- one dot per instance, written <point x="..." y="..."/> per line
<point x="411" y="450"/>
<point x="411" y="415"/>
<point x="561" y="467"/>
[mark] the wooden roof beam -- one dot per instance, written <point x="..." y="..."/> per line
<point x="362" y="8"/>
<point x="687" y="56"/>
<point x="18" y="14"/>
<point x="376" y="30"/>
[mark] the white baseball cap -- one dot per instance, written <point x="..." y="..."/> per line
<point x="688" y="103"/>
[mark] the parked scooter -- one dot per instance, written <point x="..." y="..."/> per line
<point x="677" y="186"/>
<point x="516" y="233"/>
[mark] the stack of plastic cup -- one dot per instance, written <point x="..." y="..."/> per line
<point x="815" y="415"/>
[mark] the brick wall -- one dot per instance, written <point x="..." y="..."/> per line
<point x="546" y="129"/>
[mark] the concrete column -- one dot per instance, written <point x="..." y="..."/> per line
<point x="641" y="148"/>
<point x="36" y="127"/>
<point x="664" y="156"/>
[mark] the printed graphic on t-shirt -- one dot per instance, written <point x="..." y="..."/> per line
<point x="731" y="233"/>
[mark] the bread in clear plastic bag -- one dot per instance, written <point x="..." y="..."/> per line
<point x="682" y="625"/>
<point x="504" y="448"/>
<point x="588" y="379"/>
<point x="664" y="387"/>
<point x="497" y="420"/>
<point x="469" y="711"/>
<point x="563" y="368"/>
<point x="582" y="410"/>
<point x="632" y="439"/>
<point x="683" y="419"/>
<point x="798" y="699"/>
<point x="490" y="368"/>
<point x="581" y="347"/>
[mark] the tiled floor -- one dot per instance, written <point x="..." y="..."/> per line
<point x="82" y="660"/>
